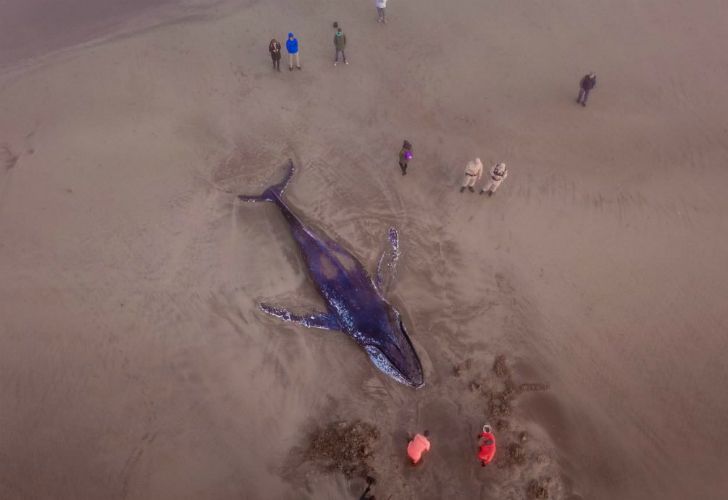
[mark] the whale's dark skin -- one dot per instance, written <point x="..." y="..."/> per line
<point x="355" y="303"/>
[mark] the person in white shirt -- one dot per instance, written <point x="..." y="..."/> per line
<point x="473" y="173"/>
<point x="497" y="175"/>
<point x="381" y="8"/>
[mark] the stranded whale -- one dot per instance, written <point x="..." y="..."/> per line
<point x="355" y="303"/>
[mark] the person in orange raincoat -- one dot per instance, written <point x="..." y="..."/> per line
<point x="417" y="446"/>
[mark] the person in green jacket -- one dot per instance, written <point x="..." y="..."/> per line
<point x="340" y="44"/>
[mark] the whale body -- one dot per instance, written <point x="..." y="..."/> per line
<point x="355" y="303"/>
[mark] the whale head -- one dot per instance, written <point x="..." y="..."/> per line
<point x="394" y="354"/>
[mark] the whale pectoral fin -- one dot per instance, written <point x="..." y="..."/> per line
<point x="325" y="321"/>
<point x="387" y="266"/>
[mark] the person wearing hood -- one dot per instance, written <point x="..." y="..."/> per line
<point x="497" y="174"/>
<point x="473" y="173"/>
<point x="274" y="47"/>
<point x="293" y="54"/>
<point x="340" y="45"/>
<point x="585" y="86"/>
<point x="486" y="450"/>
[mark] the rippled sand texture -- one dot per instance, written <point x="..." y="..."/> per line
<point x="133" y="360"/>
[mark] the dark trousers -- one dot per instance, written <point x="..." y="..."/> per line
<point x="277" y="63"/>
<point x="403" y="166"/>
<point x="583" y="96"/>
<point x="342" y="55"/>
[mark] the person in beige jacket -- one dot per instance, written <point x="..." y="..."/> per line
<point x="473" y="173"/>
<point x="496" y="176"/>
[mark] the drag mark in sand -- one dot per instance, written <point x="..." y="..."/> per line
<point x="131" y="462"/>
<point x="8" y="159"/>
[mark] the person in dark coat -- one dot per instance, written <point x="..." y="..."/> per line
<point x="587" y="85"/>
<point x="340" y="44"/>
<point x="405" y="155"/>
<point x="274" y="47"/>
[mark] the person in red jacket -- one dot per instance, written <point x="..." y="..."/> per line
<point x="486" y="450"/>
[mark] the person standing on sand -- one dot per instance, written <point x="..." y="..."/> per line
<point x="417" y="446"/>
<point x="340" y="45"/>
<point x="292" y="48"/>
<point x="381" y="11"/>
<point x="274" y="47"/>
<point x="586" y="85"/>
<point x="473" y="173"/>
<point x="405" y="155"/>
<point x="486" y="450"/>
<point x="497" y="174"/>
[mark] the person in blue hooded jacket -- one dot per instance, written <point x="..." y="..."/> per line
<point x="292" y="48"/>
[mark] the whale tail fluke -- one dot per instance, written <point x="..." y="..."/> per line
<point x="275" y="191"/>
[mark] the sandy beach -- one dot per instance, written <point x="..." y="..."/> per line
<point x="134" y="362"/>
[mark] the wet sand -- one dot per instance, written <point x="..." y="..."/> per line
<point x="133" y="360"/>
<point x="32" y="28"/>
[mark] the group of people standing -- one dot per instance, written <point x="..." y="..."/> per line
<point x="474" y="168"/>
<point x="274" y="47"/>
<point x="420" y="444"/>
<point x="498" y="172"/>
<point x="474" y="171"/>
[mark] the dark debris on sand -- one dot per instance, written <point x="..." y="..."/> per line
<point x="345" y="447"/>
<point x="7" y="157"/>
<point x="500" y="399"/>
<point x="502" y="425"/>
<point x="500" y="368"/>
<point x="516" y="454"/>
<point x="533" y="387"/>
<point x="500" y="402"/>
<point x="538" y="488"/>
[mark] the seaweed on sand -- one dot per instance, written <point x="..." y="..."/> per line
<point x="345" y="447"/>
